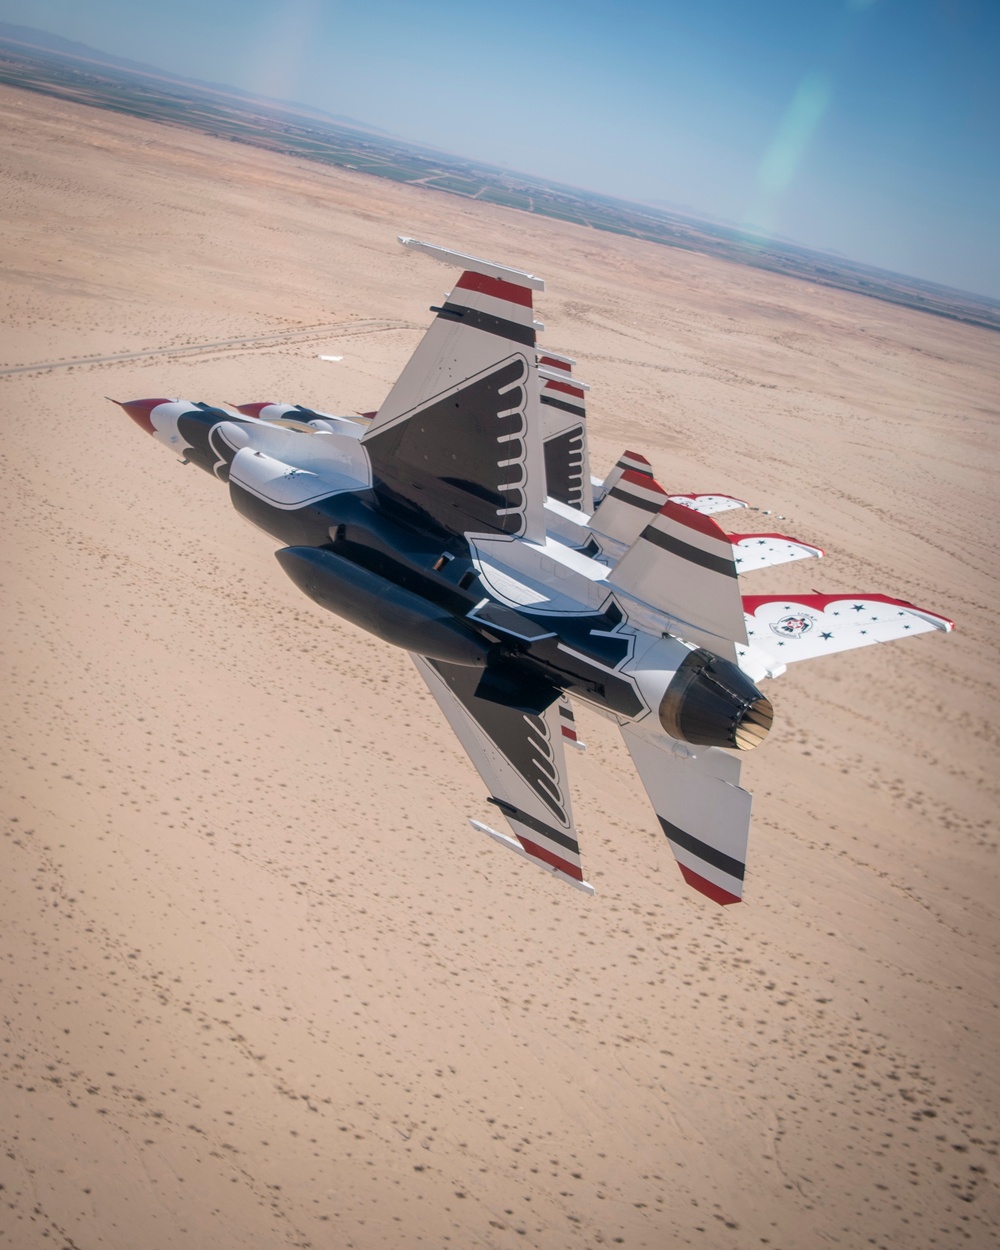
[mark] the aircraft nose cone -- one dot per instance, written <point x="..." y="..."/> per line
<point x="139" y="410"/>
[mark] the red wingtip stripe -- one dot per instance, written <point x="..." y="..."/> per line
<point x="499" y="288"/>
<point x="567" y="387"/>
<point x="637" y="457"/>
<point x="715" y="892"/>
<point x="821" y="602"/>
<point x="552" y="363"/>
<point x="253" y="410"/>
<point x="569" y="733"/>
<point x="636" y="477"/>
<point x="554" y="861"/>
<point x="693" y="520"/>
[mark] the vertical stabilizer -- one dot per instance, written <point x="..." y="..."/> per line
<point x="683" y="564"/>
<point x="627" y="508"/>
<point x="458" y="439"/>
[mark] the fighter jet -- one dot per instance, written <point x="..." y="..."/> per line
<point x="460" y="522"/>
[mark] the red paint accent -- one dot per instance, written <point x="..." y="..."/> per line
<point x="636" y="478"/>
<point x="821" y="602"/>
<point x="253" y="410"/>
<point x="554" y="364"/>
<point x="785" y="538"/>
<point x="564" y="386"/>
<point x="634" y="455"/>
<point x="497" y="287"/>
<point x="715" y="892"/>
<point x="139" y="410"/>
<point x="369" y="416"/>
<point x="569" y="733"/>
<point x="693" y="520"/>
<point x="554" y="861"/>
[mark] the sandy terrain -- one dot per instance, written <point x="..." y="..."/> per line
<point x="261" y="983"/>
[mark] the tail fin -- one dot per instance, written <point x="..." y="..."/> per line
<point x="682" y="563"/>
<point x="458" y="438"/>
<point x="628" y="461"/>
<point x="564" y="433"/>
<point x="627" y="508"/>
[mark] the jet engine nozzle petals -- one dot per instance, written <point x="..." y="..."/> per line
<point x="139" y="410"/>
<point x="711" y="702"/>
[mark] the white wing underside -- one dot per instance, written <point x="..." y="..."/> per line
<point x="805" y="627"/>
<point x="763" y="551"/>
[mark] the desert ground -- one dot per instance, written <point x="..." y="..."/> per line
<point x="262" y="985"/>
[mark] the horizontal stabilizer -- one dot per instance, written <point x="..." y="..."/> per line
<point x="682" y="563"/>
<point x="760" y="551"/>
<point x="702" y="810"/>
<point x="521" y="759"/>
<point x="709" y="504"/>
<point x="802" y="627"/>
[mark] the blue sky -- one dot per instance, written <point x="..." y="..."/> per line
<point x="866" y="127"/>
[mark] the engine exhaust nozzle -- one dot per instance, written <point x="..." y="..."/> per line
<point x="710" y="702"/>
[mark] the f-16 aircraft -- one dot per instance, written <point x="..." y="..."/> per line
<point x="460" y="521"/>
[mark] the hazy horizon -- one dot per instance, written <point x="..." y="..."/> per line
<point x="862" y="128"/>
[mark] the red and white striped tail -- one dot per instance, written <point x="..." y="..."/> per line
<point x="628" y="507"/>
<point x="628" y="461"/>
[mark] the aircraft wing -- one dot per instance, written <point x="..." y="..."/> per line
<point x="709" y="504"/>
<point x="803" y="627"/>
<point x="762" y="551"/>
<point x="521" y="759"/>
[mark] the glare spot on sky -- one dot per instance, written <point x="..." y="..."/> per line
<point x="796" y="129"/>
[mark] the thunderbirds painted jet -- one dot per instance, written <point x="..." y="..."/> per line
<point x="461" y="522"/>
